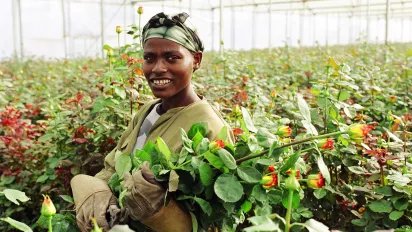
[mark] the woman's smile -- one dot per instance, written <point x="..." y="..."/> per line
<point x="161" y="82"/>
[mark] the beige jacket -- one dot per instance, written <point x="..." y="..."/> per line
<point x="168" y="128"/>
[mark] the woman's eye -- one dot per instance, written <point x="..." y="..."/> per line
<point x="173" y="58"/>
<point x="148" y="58"/>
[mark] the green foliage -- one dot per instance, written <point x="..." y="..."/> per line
<point x="227" y="158"/>
<point x="16" y="224"/>
<point x="249" y="174"/>
<point x="228" y="188"/>
<point x="73" y="112"/>
<point x="15" y="196"/>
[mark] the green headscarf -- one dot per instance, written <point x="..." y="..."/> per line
<point x="175" y="28"/>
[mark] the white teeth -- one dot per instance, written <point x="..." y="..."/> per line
<point x="161" y="82"/>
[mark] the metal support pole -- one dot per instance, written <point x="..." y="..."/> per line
<point x="253" y="27"/>
<point x="359" y="26"/>
<point x="351" y="28"/>
<point x="102" y="25"/>
<point x="301" y="27"/>
<point x="410" y="29"/>
<point x="310" y="34"/>
<point x="402" y="29"/>
<point x="124" y="20"/>
<point x="302" y="22"/>
<point x="367" y="22"/>
<point x="221" y="27"/>
<point x="213" y="29"/>
<point x="13" y="15"/>
<point x="20" y="29"/>
<point x="337" y="30"/>
<point x="327" y="30"/>
<point x="134" y="13"/>
<point x="69" y="31"/>
<point x="291" y="23"/>
<point x="387" y="23"/>
<point x="233" y="37"/>
<point x="270" y="26"/>
<point x="64" y="29"/>
<point x="314" y="29"/>
<point x="286" y="27"/>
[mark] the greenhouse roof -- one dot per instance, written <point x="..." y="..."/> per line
<point x="353" y="7"/>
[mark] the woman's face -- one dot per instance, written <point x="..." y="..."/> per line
<point x="168" y="66"/>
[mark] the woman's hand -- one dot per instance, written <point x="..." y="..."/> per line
<point x="93" y="199"/>
<point x="145" y="202"/>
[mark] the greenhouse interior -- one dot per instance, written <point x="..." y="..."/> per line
<point x="77" y="28"/>
<point x="206" y="115"/>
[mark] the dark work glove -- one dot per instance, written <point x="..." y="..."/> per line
<point x="145" y="202"/>
<point x="93" y="198"/>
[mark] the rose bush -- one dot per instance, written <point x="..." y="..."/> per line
<point x="343" y="124"/>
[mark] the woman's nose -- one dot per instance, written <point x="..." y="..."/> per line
<point x="159" y="67"/>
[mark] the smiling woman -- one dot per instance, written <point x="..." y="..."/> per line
<point x="168" y="67"/>
<point x="172" y="52"/>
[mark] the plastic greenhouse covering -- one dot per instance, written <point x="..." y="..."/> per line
<point x="79" y="28"/>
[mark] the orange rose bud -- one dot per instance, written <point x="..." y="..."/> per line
<point x="220" y="143"/>
<point x="118" y="29"/>
<point x="236" y="110"/>
<point x="284" y="131"/>
<point x="140" y="10"/>
<point x="47" y="208"/>
<point x="325" y="144"/>
<point x="270" y="181"/>
<point x="357" y="131"/>
<point x="110" y="52"/>
<point x="216" y="145"/>
<point x="237" y="131"/>
<point x="271" y="168"/>
<point x="316" y="181"/>
<point x="273" y="93"/>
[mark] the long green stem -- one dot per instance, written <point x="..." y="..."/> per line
<point x="50" y="224"/>
<point x="291" y="144"/>
<point x="404" y="143"/>
<point x="289" y="212"/>
<point x="131" y="92"/>
<point x="110" y="68"/>
<point x="326" y="101"/>
<point x="140" y="31"/>
<point x="118" y="43"/>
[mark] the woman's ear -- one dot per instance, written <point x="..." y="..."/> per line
<point x="197" y="60"/>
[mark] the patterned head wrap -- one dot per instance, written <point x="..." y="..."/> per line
<point x="175" y="28"/>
